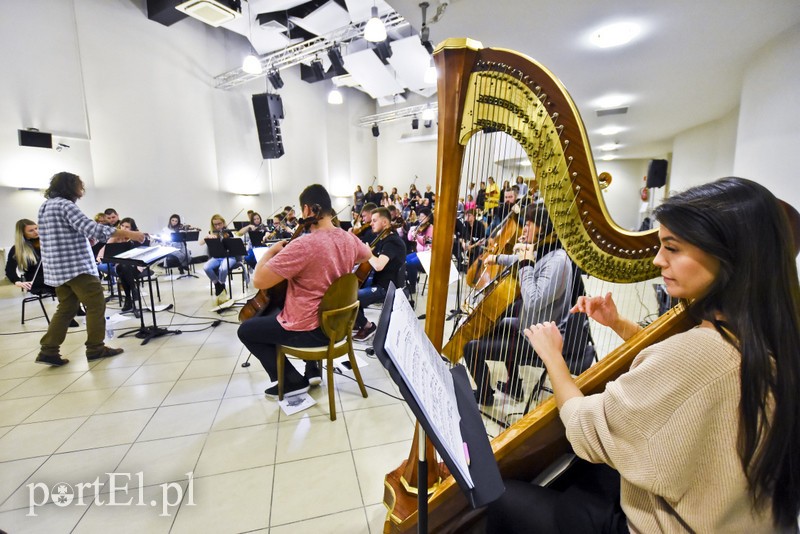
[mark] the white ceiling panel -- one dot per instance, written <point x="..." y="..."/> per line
<point x="376" y="79"/>
<point x="327" y="18"/>
<point x="410" y="60"/>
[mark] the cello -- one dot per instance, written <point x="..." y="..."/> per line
<point x="267" y="300"/>
<point x="502" y="239"/>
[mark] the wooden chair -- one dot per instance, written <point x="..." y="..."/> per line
<point x="337" y="311"/>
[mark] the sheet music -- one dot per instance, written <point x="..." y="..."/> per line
<point x="428" y="377"/>
<point x="146" y="254"/>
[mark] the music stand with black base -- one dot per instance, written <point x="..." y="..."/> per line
<point x="182" y="238"/>
<point x="228" y="248"/>
<point x="486" y="483"/>
<point x="145" y="257"/>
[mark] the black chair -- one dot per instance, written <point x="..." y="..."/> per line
<point x="37" y="297"/>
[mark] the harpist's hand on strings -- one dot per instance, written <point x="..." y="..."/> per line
<point x="601" y="309"/>
<point x="546" y="340"/>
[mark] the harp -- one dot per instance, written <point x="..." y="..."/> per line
<point x="495" y="90"/>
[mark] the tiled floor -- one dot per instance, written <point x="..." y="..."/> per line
<point x="183" y="404"/>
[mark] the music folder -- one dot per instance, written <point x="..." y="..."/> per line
<point x="441" y="399"/>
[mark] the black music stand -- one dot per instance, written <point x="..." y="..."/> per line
<point x="487" y="484"/>
<point x="145" y="257"/>
<point x="182" y="237"/>
<point x="256" y="238"/>
<point x="229" y="247"/>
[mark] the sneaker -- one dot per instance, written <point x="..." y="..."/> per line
<point x="127" y="306"/>
<point x="366" y="332"/>
<point x="105" y="352"/>
<point x="219" y="289"/>
<point x="288" y="391"/>
<point x="313" y="374"/>
<point x="55" y="361"/>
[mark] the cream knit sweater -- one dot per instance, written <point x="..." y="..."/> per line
<point x="669" y="426"/>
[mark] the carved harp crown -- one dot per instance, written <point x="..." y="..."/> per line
<point x="500" y="90"/>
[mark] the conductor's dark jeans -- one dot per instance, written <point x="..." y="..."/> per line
<point x="584" y="500"/>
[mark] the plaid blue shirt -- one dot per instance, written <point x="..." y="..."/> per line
<point x="63" y="233"/>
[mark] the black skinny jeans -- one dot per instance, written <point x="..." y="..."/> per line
<point x="261" y="335"/>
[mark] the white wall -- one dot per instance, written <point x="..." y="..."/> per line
<point x="768" y="136"/>
<point x="622" y="197"/>
<point x="148" y="132"/>
<point x="704" y="153"/>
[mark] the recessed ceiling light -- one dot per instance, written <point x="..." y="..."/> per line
<point x="615" y="34"/>
<point x="610" y="130"/>
<point x="611" y="101"/>
<point x="608" y="158"/>
<point x="608" y="147"/>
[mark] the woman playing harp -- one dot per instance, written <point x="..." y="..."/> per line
<point x="704" y="429"/>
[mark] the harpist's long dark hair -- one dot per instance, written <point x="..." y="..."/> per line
<point x="745" y="227"/>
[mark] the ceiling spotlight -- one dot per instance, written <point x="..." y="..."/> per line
<point x="615" y="34"/>
<point x="275" y="79"/>
<point x="608" y="147"/>
<point x="611" y="101"/>
<point x="61" y="146"/>
<point x="318" y="69"/>
<point x="375" y="30"/>
<point x="375" y="131"/>
<point x="251" y="65"/>
<point x="415" y="123"/>
<point x="335" y="97"/>
<point x="428" y="115"/>
<point x="335" y="55"/>
<point x="610" y="130"/>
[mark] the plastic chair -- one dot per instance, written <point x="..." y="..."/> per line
<point x="338" y="311"/>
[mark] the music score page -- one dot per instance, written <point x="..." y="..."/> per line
<point x="146" y="254"/>
<point x="428" y="378"/>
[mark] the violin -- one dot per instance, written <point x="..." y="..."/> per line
<point x="364" y="269"/>
<point x="268" y="300"/>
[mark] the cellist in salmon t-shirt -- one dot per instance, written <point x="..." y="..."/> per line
<point x="310" y="264"/>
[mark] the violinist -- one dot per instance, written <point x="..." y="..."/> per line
<point x="509" y="205"/>
<point x="546" y="288"/>
<point x="25" y="256"/>
<point x="129" y="275"/>
<point x="289" y="218"/>
<point x="279" y="231"/>
<point x="422" y="235"/>
<point x="474" y="235"/>
<point x="364" y="229"/>
<point x="177" y="259"/>
<point x="310" y="264"/>
<point x="217" y="268"/>
<point x="255" y="226"/>
<point x="388" y="261"/>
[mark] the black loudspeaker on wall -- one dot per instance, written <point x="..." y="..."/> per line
<point x="268" y="109"/>
<point x="657" y="173"/>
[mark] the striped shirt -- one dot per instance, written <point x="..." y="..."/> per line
<point x="63" y="233"/>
